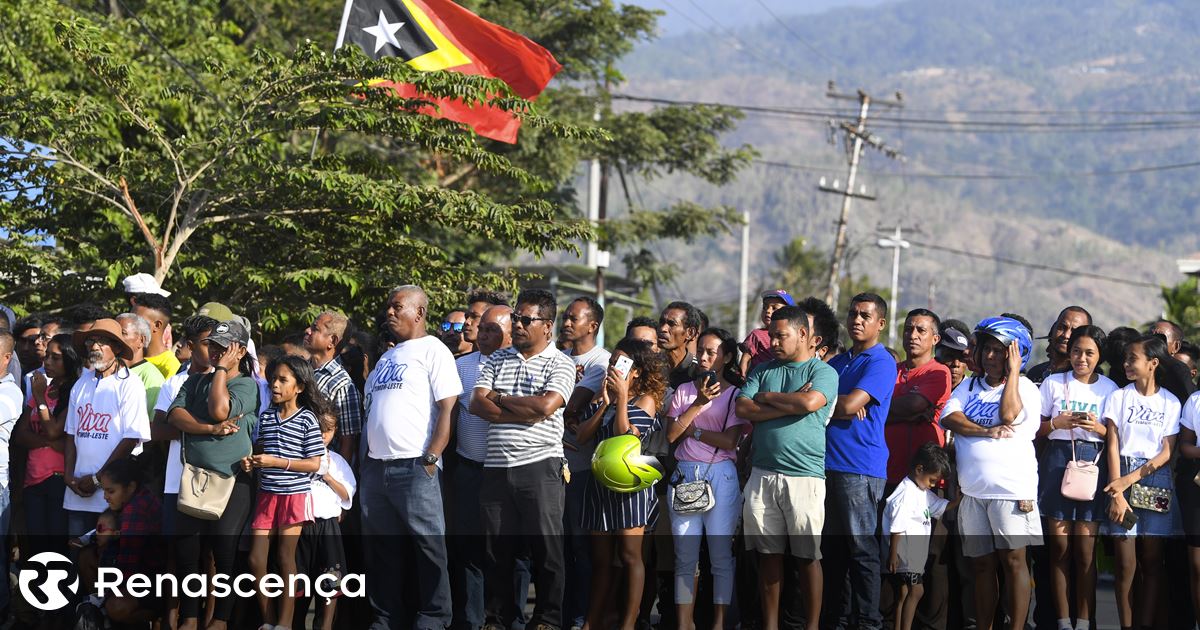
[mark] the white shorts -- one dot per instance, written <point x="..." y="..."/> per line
<point x="782" y="511"/>
<point x="990" y="524"/>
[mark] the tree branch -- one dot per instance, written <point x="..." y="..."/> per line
<point x="137" y="217"/>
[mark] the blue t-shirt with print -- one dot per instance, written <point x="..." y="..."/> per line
<point x="858" y="446"/>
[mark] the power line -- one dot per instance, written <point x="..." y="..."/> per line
<point x="1037" y="266"/>
<point x="796" y="36"/>
<point x="728" y="33"/>
<point x="939" y="125"/>
<point x="166" y="51"/>
<point x="993" y="176"/>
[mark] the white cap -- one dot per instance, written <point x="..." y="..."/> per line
<point x="143" y="283"/>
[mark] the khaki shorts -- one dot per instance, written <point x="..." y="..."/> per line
<point x="990" y="524"/>
<point x="782" y="511"/>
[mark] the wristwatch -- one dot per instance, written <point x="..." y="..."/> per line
<point x="697" y="433"/>
<point x="43" y="407"/>
<point x="96" y="479"/>
<point x="429" y="459"/>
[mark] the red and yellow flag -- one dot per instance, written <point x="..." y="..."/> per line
<point x="440" y="35"/>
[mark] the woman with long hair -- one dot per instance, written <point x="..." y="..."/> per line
<point x="627" y="404"/>
<point x="707" y="430"/>
<point x="40" y="430"/>
<point x="1143" y="422"/>
<point x="1072" y="418"/>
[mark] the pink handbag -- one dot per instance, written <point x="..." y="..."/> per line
<point x="1081" y="477"/>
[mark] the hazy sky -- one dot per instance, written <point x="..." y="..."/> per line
<point x="684" y="15"/>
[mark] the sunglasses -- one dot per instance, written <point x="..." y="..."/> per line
<point x="455" y="326"/>
<point x="525" y="321"/>
<point x="103" y="341"/>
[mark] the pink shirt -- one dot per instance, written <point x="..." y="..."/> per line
<point x="758" y="346"/>
<point x="44" y="461"/>
<point x="715" y="415"/>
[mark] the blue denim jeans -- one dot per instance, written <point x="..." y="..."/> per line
<point x="850" y="547"/>
<point x="402" y="504"/>
<point x="718" y="525"/>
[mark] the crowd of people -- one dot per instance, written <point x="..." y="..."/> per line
<point x="685" y="477"/>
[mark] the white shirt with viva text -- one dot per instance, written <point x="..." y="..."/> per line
<point x="102" y="413"/>
<point x="1062" y="393"/>
<point x="1003" y="468"/>
<point x="1142" y="421"/>
<point x="401" y="397"/>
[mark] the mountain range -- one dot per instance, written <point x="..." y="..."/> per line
<point x="1053" y="135"/>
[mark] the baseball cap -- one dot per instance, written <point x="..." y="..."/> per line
<point x="779" y="294"/>
<point x="953" y="335"/>
<point x="143" y="283"/>
<point x="217" y="311"/>
<point x="229" y="332"/>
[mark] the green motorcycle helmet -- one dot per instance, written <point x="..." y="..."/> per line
<point x="618" y="464"/>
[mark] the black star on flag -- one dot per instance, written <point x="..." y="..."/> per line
<point x="386" y="28"/>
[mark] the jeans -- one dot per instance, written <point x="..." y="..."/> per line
<point x="578" y="552"/>
<point x="851" y="551"/>
<point x="5" y="515"/>
<point x="468" y="557"/>
<point x="525" y="503"/>
<point x="718" y="524"/>
<point x="402" y="503"/>
<point x="45" y="517"/>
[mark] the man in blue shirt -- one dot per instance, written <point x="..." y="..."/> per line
<point x="856" y="458"/>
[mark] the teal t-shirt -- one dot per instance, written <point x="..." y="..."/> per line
<point x="222" y="454"/>
<point x="792" y="445"/>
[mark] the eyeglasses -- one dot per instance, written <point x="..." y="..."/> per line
<point x="525" y="320"/>
<point x="455" y="326"/>
<point x="90" y="341"/>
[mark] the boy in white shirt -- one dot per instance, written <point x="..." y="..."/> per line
<point x="907" y="526"/>
<point x="319" y="552"/>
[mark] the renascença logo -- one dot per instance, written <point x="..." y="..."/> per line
<point x="48" y="581"/>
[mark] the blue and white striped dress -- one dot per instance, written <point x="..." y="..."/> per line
<point x="605" y="510"/>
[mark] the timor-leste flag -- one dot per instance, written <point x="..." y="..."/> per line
<point x="440" y="35"/>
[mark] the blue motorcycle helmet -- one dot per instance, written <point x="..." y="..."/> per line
<point x="1005" y="330"/>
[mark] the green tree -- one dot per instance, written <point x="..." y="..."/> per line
<point x="1181" y="304"/>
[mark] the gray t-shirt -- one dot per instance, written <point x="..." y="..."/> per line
<point x="595" y="365"/>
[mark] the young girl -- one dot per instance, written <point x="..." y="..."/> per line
<point x="707" y="430"/>
<point x="1072" y="408"/>
<point x="291" y="448"/>
<point x="41" y="431"/>
<point x="626" y="405"/>
<point x="907" y="526"/>
<point x="139" y="544"/>
<point x="319" y="553"/>
<point x="1143" y="420"/>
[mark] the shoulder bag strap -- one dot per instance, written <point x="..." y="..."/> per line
<point x="724" y="425"/>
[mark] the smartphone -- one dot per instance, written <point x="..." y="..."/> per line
<point x="1080" y="416"/>
<point x="623" y="365"/>
<point x="708" y="378"/>
<point x="1130" y="520"/>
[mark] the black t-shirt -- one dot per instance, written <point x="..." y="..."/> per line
<point x="1039" y="372"/>
<point x="685" y="372"/>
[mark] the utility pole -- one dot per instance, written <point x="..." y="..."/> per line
<point x="856" y="135"/>
<point x="744" y="276"/>
<point x="896" y="242"/>
<point x="597" y="212"/>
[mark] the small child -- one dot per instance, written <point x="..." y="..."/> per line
<point x="290" y="440"/>
<point x="757" y="346"/>
<point x="907" y="527"/>
<point x="320" y="553"/>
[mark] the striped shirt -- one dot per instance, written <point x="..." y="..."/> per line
<point x="507" y="372"/>
<point x="297" y="437"/>
<point x="336" y="384"/>
<point x="471" y="430"/>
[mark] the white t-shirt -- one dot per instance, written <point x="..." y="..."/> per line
<point x="166" y="396"/>
<point x="1063" y="393"/>
<point x="11" y="403"/>
<point x="401" y="397"/>
<point x="102" y="413"/>
<point x="327" y="503"/>
<point x="595" y="366"/>
<point x="1142" y="421"/>
<point x="1190" y="417"/>
<point x="910" y="511"/>
<point x="1004" y="468"/>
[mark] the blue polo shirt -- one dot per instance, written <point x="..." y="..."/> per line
<point x="858" y="446"/>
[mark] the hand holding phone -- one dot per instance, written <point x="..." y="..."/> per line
<point x="623" y="365"/>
